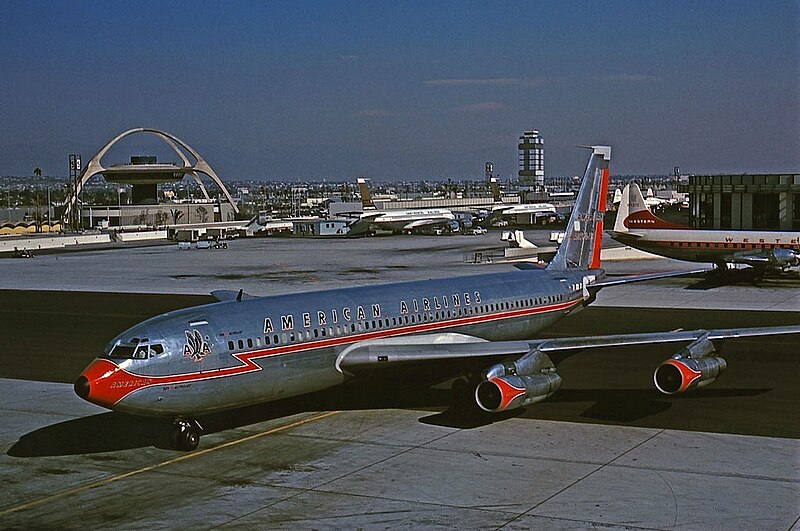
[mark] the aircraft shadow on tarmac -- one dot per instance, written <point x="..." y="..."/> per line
<point x="110" y="432"/>
<point x="716" y="279"/>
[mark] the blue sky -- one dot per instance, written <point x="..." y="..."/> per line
<point x="403" y="90"/>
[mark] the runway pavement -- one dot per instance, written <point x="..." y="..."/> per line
<point x="606" y="451"/>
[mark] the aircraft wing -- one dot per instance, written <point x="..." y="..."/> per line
<point x="367" y="356"/>
<point x="424" y="223"/>
<point x="751" y="259"/>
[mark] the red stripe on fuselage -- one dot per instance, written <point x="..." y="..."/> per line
<point x="117" y="383"/>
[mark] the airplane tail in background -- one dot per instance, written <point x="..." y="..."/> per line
<point x="366" y="198"/>
<point x="634" y="214"/>
<point x="583" y="238"/>
<point x="496" y="196"/>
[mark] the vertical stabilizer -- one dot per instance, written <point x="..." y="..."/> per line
<point x="583" y="238"/>
<point x="634" y="214"/>
<point x="366" y="198"/>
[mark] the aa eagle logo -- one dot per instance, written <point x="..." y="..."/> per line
<point x="196" y="347"/>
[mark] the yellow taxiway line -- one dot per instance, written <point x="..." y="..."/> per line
<point x="184" y="457"/>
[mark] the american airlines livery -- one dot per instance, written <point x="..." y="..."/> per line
<point x="246" y="350"/>
<point x="638" y="227"/>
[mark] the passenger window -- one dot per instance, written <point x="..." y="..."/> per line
<point x="249" y="343"/>
<point x="230" y="345"/>
<point x="241" y="344"/>
<point x="275" y="339"/>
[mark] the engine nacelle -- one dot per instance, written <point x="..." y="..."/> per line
<point x="679" y="374"/>
<point x="531" y="378"/>
<point x="512" y="391"/>
<point x="786" y="257"/>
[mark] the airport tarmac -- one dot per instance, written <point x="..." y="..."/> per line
<point x="607" y="451"/>
<point x="270" y="266"/>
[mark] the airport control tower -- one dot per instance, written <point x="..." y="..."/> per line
<point x="531" y="159"/>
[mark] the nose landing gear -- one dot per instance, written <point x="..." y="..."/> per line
<point x="185" y="435"/>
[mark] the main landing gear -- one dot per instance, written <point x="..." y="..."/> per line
<point x="185" y="435"/>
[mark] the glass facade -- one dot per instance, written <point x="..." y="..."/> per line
<point x="746" y="201"/>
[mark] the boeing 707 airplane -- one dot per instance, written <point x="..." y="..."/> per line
<point x="247" y="350"/>
<point x="536" y="211"/>
<point x="397" y="220"/>
<point x="638" y="227"/>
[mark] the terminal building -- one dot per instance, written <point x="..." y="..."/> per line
<point x="144" y="206"/>
<point x="759" y="201"/>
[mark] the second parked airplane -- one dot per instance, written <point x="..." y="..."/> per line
<point x="638" y="227"/>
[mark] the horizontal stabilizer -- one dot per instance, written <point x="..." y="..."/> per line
<point x="616" y="281"/>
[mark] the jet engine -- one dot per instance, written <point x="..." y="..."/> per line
<point x="695" y="366"/>
<point x="786" y="257"/>
<point x="530" y="379"/>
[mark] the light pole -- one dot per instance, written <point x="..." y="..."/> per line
<point x="38" y="173"/>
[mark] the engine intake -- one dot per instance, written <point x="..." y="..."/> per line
<point x="511" y="391"/>
<point x="696" y="365"/>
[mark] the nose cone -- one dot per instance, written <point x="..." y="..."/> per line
<point x="104" y="383"/>
<point x="82" y="387"/>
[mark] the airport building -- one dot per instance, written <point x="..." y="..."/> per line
<point x="531" y="159"/>
<point x="746" y="201"/>
<point x="143" y="175"/>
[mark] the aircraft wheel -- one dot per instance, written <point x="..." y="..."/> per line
<point x="184" y="436"/>
<point x="191" y="438"/>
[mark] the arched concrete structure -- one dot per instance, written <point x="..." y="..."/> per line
<point x="95" y="166"/>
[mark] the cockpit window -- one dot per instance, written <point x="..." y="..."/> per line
<point x="122" y="352"/>
<point x="141" y="351"/>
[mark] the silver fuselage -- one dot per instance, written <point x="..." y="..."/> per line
<point x="236" y="353"/>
